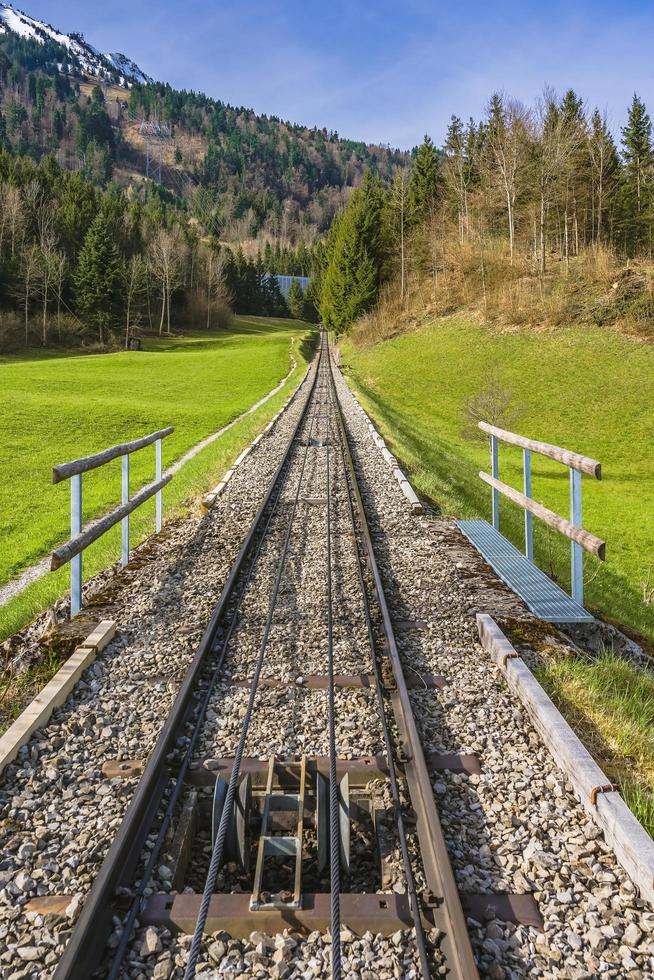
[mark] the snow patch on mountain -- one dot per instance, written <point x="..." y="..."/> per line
<point x="114" y="67"/>
<point x="127" y="67"/>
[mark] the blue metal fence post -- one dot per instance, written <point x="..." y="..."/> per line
<point x="75" y="529"/>
<point x="529" y="524"/>
<point x="577" y="561"/>
<point x="159" y="497"/>
<point x="125" y="499"/>
<point x="495" y="494"/>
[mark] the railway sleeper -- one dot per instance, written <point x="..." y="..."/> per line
<point x="280" y="825"/>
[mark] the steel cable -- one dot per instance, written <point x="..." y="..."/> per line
<point x="334" y="828"/>
<point x="217" y="852"/>
<point x="395" y="793"/>
<point x="130" y="918"/>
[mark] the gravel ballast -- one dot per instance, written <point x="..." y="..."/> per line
<point x="515" y="827"/>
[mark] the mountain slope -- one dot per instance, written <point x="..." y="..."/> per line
<point x="80" y="55"/>
<point x="242" y="174"/>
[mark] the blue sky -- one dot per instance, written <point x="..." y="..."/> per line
<point x="380" y="71"/>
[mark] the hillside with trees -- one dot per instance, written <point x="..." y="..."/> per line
<point x="243" y="175"/>
<point x="533" y="215"/>
<point x="92" y="252"/>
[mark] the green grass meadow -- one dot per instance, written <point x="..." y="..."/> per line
<point x="56" y="407"/>
<point x="590" y="390"/>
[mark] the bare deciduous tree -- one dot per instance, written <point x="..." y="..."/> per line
<point x="45" y="273"/>
<point x="603" y="160"/>
<point x="29" y="264"/>
<point x="555" y="142"/>
<point x="13" y="216"/>
<point x="399" y="205"/>
<point x="59" y="266"/>
<point x="134" y="276"/>
<point x="216" y="281"/>
<point x="507" y="134"/>
<point x="166" y="260"/>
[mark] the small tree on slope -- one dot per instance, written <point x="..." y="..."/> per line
<point x="98" y="278"/>
<point x="296" y="300"/>
<point x="356" y="258"/>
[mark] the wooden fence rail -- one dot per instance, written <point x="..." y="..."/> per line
<point x="582" y="463"/>
<point x="65" y="470"/>
<point x="81" y="537"/>
<point x="572" y="529"/>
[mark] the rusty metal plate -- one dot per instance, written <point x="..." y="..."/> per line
<point x="426" y="680"/>
<point x="453" y="762"/>
<point x="287" y="773"/>
<point x="312" y="681"/>
<point x="521" y="909"/>
<point x="122" y="768"/>
<point x="383" y="914"/>
<point x="49" y="904"/>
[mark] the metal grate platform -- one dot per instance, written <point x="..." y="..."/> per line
<point x="539" y="593"/>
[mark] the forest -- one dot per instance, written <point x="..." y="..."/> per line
<point x="91" y="252"/>
<point x="520" y="214"/>
<point x="246" y="173"/>
<point x="502" y="216"/>
<point x="85" y="265"/>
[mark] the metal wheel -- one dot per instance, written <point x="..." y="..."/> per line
<point x="237" y="841"/>
<point x="322" y="820"/>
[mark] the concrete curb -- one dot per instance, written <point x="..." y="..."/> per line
<point x="54" y="693"/>
<point x="209" y="499"/>
<point x="405" y="486"/>
<point x="628" y="839"/>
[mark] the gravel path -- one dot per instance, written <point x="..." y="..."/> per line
<point x="13" y="588"/>
<point x="515" y="827"/>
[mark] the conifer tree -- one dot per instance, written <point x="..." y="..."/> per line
<point x="355" y="258"/>
<point x="637" y="151"/>
<point x="604" y="169"/>
<point x="272" y="300"/>
<point x="4" y="142"/>
<point x="423" y="182"/>
<point x="98" y="277"/>
<point x="295" y="300"/>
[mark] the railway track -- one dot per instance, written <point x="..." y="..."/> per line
<point x="307" y="821"/>
<point x="281" y="778"/>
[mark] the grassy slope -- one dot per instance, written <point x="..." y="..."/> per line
<point x="54" y="408"/>
<point x="611" y="704"/>
<point x="587" y="389"/>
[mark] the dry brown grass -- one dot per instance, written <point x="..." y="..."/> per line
<point x="476" y="279"/>
<point x="110" y="92"/>
<point x="193" y="148"/>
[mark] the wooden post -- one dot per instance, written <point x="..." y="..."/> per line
<point x="75" y="529"/>
<point x="495" y="496"/>
<point x="159" y="498"/>
<point x="576" y="554"/>
<point x="124" y="500"/>
<point x="529" y="521"/>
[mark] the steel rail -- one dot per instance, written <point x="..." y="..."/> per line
<point x="130" y="918"/>
<point x="85" y="948"/>
<point x="334" y="815"/>
<point x="439" y="876"/>
<point x="219" y="843"/>
<point x="348" y="469"/>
